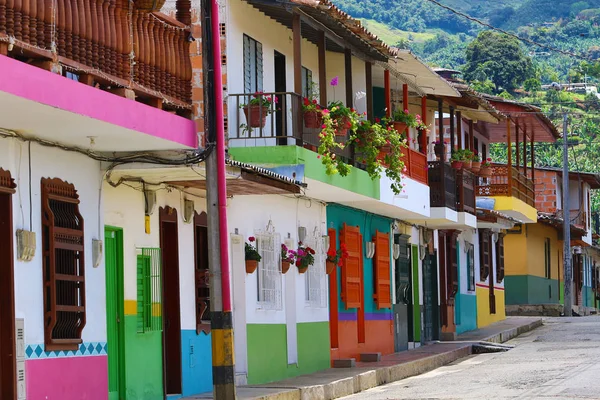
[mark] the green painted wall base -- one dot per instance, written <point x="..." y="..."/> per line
<point x="267" y="351"/>
<point x="143" y="363"/>
<point x="529" y="289"/>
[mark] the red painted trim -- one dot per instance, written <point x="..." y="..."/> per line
<point x="483" y="286"/>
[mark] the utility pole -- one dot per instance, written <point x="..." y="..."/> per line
<point x="216" y="199"/>
<point x="568" y="275"/>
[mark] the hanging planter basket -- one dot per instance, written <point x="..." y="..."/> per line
<point x="256" y="116"/>
<point x="302" y="270"/>
<point x="313" y="119"/>
<point x="457" y="164"/>
<point x="285" y="266"/>
<point x="329" y="267"/>
<point x="251" y="266"/>
<point x="475" y="166"/>
<point x="485" y="172"/>
<point x="467" y="164"/>
<point x="149" y="5"/>
<point x="343" y="124"/>
<point x="400" y="127"/>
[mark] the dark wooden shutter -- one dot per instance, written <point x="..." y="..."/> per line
<point x="500" y="258"/>
<point x="484" y="254"/>
<point x="63" y="263"/>
<point x="381" y="267"/>
<point x="452" y="264"/>
<point x="352" y="267"/>
<point x="201" y="273"/>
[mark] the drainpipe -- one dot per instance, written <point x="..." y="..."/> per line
<point x="220" y="293"/>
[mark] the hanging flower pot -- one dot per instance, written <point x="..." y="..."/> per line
<point x="313" y="119"/>
<point x="475" y="166"/>
<point x="485" y="172"/>
<point x="285" y="266"/>
<point x="251" y="266"/>
<point x="302" y="270"/>
<point x="385" y="149"/>
<point x="343" y="124"/>
<point x="329" y="267"/>
<point x="467" y="164"/>
<point x="457" y="164"/>
<point x="256" y="116"/>
<point x="400" y="127"/>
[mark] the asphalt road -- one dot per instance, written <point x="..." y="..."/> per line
<point x="560" y="360"/>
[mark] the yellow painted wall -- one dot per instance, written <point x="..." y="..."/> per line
<point x="515" y="248"/>
<point x="484" y="318"/>
<point x="536" y="236"/>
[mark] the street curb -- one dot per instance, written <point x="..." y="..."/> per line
<point x="383" y="375"/>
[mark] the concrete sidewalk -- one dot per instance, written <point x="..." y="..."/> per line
<point x="339" y="382"/>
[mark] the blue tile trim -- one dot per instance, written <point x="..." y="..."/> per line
<point x="36" y="351"/>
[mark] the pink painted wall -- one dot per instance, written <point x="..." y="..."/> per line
<point x="67" y="378"/>
<point x="44" y="87"/>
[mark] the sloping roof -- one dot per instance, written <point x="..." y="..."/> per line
<point x="481" y="212"/>
<point x="264" y="171"/>
<point x="474" y="106"/>
<point x="557" y="222"/>
<point x="590" y="178"/>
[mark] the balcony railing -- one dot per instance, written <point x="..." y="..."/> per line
<point x="507" y="181"/>
<point x="465" y="183"/>
<point x="442" y="185"/>
<point x="416" y="165"/>
<point x="110" y="41"/>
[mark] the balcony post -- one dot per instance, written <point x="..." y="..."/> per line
<point x="441" y="128"/>
<point x="517" y="142"/>
<point x="509" y="163"/>
<point x="369" y="84"/>
<point x="405" y="105"/>
<point x="451" y="130"/>
<point x="348" y="77"/>
<point x="471" y="137"/>
<point x="297" y="39"/>
<point x="388" y="93"/>
<point x="322" y="70"/>
<point x="525" y="152"/>
<point x="459" y="129"/>
<point x="533" y="162"/>
<point x="424" y="118"/>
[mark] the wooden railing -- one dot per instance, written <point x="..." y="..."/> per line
<point x="465" y="186"/>
<point x="416" y="165"/>
<point x="442" y="185"/>
<point x="507" y="181"/>
<point x="109" y="40"/>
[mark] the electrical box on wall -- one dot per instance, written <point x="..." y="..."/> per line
<point x="25" y="245"/>
<point x="97" y="252"/>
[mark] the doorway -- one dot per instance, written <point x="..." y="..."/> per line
<point x="169" y="245"/>
<point x="8" y="373"/>
<point x="280" y="87"/>
<point x="113" y="245"/>
<point x="403" y="312"/>
<point x="430" y="298"/>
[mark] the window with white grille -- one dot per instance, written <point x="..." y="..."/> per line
<point x="268" y="244"/>
<point x="316" y="276"/>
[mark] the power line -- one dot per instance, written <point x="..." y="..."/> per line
<point x="525" y="40"/>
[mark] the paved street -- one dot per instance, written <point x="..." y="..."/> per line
<point x="560" y="360"/>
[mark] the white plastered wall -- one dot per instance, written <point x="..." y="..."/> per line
<point x="84" y="173"/>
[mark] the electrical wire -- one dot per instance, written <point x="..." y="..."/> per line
<point x="522" y="39"/>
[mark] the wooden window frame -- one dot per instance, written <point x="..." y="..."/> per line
<point x="484" y="249"/>
<point x="201" y="276"/>
<point x="500" y="258"/>
<point x="471" y="268"/>
<point x="65" y="236"/>
<point x="382" y="271"/>
<point x="306" y="82"/>
<point x="548" y="258"/>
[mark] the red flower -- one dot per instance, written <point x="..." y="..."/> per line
<point x="306" y="101"/>
<point x="331" y="253"/>
<point x="377" y="120"/>
<point x="297" y="263"/>
<point x="311" y="251"/>
<point x="251" y="239"/>
<point x="314" y="101"/>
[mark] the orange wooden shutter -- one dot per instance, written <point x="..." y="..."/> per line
<point x="351" y="277"/>
<point x="381" y="264"/>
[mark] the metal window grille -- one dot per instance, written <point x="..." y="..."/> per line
<point x="149" y="290"/>
<point x="316" y="276"/>
<point x="471" y="267"/>
<point x="268" y="244"/>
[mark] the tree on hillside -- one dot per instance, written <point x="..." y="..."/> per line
<point x="499" y="58"/>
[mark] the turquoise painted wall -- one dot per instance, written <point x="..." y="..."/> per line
<point x="267" y="351"/>
<point x="588" y="297"/>
<point x="467" y="320"/>
<point x="197" y="367"/>
<point x="528" y="289"/>
<point x="369" y="223"/>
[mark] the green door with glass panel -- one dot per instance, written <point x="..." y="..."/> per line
<point x="113" y="245"/>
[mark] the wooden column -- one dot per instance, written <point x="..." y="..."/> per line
<point x="525" y="152"/>
<point x="509" y="163"/>
<point x="459" y="129"/>
<point x="388" y="93"/>
<point x="424" y="119"/>
<point x="405" y="96"/>
<point x="472" y="137"/>
<point x="348" y="76"/>
<point x="369" y="81"/>
<point x="441" y="126"/>
<point x="322" y="70"/>
<point x="533" y="157"/>
<point x="452" y="122"/>
<point x="297" y="39"/>
<point x="517" y="143"/>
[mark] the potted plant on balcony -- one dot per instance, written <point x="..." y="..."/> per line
<point x="486" y="168"/>
<point x="402" y="120"/>
<point x="252" y="255"/>
<point x="288" y="257"/>
<point x="312" y="113"/>
<point x="336" y="257"/>
<point x="467" y="156"/>
<point x="380" y="148"/>
<point x="457" y="159"/>
<point x="305" y="257"/>
<point x="476" y="163"/>
<point x="258" y="108"/>
<point x="343" y="119"/>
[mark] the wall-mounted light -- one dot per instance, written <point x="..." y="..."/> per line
<point x="188" y="211"/>
<point x="97" y="252"/>
<point x="370" y="249"/>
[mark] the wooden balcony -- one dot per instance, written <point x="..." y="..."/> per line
<point x="507" y="181"/>
<point x="442" y="185"/>
<point x="105" y="43"/>
<point x="416" y="165"/>
<point x="465" y="186"/>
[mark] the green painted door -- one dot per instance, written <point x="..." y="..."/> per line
<point x="113" y="244"/>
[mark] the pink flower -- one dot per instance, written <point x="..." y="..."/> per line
<point x="325" y="111"/>
<point x="276" y="100"/>
<point x="334" y="81"/>
<point x="251" y="239"/>
<point x="319" y="156"/>
<point x="406" y="111"/>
